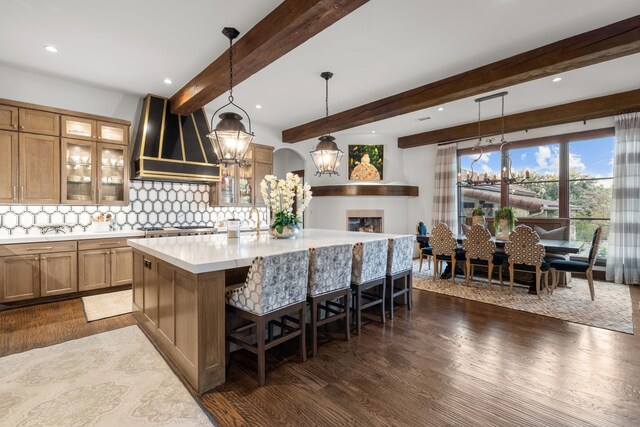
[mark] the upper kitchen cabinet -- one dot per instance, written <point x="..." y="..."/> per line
<point x="79" y="128"/>
<point x="78" y="171"/>
<point x="39" y="169"/>
<point x="113" y="133"/>
<point x="40" y="122"/>
<point x="113" y="175"/>
<point x="240" y="184"/>
<point x="8" y="166"/>
<point x="8" y="117"/>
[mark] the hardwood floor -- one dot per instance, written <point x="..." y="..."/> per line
<point x="446" y="362"/>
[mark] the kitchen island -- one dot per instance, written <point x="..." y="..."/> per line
<point x="179" y="291"/>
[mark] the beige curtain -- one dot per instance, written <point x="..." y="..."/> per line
<point x="446" y="193"/>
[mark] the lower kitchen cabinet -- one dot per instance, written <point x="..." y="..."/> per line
<point x="58" y="273"/>
<point x="19" y="277"/>
<point x="94" y="269"/>
<point x="101" y="268"/>
<point x="121" y="266"/>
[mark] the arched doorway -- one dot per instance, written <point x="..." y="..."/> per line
<point x="287" y="160"/>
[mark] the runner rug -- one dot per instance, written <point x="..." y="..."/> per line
<point x="111" y="304"/>
<point x="115" y="378"/>
<point x="612" y="308"/>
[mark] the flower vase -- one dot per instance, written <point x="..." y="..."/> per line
<point x="504" y="230"/>
<point x="288" y="232"/>
<point x="477" y="219"/>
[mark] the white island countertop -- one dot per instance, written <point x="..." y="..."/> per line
<point x="39" y="238"/>
<point x="201" y="254"/>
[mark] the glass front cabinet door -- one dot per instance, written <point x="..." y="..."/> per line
<point x="245" y="184"/>
<point x="112" y="178"/>
<point x="227" y="185"/>
<point x="78" y="171"/>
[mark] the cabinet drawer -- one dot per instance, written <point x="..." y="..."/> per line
<point x="84" y="245"/>
<point x="37" y="248"/>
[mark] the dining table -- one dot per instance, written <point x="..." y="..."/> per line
<point x="551" y="246"/>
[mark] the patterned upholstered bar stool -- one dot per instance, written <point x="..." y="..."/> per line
<point x="480" y="251"/>
<point x="526" y="254"/>
<point x="399" y="267"/>
<point x="367" y="273"/>
<point x="274" y="291"/>
<point x="329" y="280"/>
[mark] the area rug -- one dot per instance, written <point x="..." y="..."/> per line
<point x="116" y="378"/>
<point x="612" y="308"/>
<point x="111" y="304"/>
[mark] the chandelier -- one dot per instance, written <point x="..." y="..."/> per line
<point x="327" y="155"/>
<point x="230" y="138"/>
<point x="508" y="175"/>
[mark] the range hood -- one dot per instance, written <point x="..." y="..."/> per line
<point x="171" y="147"/>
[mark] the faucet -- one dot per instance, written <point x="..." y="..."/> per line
<point x="257" y="228"/>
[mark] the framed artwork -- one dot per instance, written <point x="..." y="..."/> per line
<point x="365" y="162"/>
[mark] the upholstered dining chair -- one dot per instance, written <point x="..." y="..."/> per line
<point x="274" y="291"/>
<point x="578" y="266"/>
<point x="480" y="251"/>
<point x="329" y="283"/>
<point x="426" y="253"/>
<point x="368" y="271"/>
<point x="445" y="248"/>
<point x="399" y="267"/>
<point x="525" y="253"/>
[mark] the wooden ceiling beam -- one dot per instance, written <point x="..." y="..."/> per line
<point x="588" y="109"/>
<point x="599" y="45"/>
<point x="289" y="25"/>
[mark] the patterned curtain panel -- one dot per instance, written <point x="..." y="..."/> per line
<point x="446" y="192"/>
<point x="623" y="253"/>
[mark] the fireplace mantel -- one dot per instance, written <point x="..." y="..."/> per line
<point x="365" y="190"/>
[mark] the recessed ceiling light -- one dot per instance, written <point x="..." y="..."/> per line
<point x="258" y="106"/>
<point x="373" y="131"/>
<point x="440" y="108"/>
<point x="557" y="79"/>
<point x="167" y="81"/>
<point x="51" y="49"/>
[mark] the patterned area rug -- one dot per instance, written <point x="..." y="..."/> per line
<point x="111" y="304"/>
<point x="612" y="308"/>
<point x="116" y="378"/>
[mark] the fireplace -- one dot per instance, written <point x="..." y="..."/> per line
<point x="368" y="220"/>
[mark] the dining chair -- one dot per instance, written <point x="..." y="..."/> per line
<point x="480" y="251"/>
<point x="578" y="266"/>
<point x="368" y="271"/>
<point x="525" y="253"/>
<point x="275" y="290"/>
<point x="329" y="282"/>
<point x="445" y="248"/>
<point x="399" y="267"/>
<point x="426" y="253"/>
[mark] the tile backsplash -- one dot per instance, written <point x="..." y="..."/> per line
<point x="151" y="203"/>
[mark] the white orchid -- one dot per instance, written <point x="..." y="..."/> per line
<point x="280" y="194"/>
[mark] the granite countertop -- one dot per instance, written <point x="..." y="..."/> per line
<point x="38" y="238"/>
<point x="200" y="254"/>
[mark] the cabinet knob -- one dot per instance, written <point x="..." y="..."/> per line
<point x="21" y="127"/>
<point x="15" y="126"/>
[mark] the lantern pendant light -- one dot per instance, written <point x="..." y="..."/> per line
<point x="327" y="155"/>
<point x="230" y="138"/>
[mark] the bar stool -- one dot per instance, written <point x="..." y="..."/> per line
<point x="399" y="266"/>
<point x="275" y="288"/>
<point x="368" y="272"/>
<point x="329" y="280"/>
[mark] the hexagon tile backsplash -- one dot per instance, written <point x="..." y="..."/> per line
<point x="151" y="203"/>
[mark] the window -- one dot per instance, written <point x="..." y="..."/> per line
<point x="570" y="176"/>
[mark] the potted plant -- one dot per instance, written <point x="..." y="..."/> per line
<point x="279" y="195"/>
<point x="478" y="216"/>
<point x="505" y="220"/>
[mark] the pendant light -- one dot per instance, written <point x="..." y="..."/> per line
<point x="230" y="138"/>
<point x="327" y="155"/>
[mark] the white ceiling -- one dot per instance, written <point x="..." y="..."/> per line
<point x="380" y="49"/>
